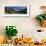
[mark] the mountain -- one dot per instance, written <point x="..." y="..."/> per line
<point x="12" y="11"/>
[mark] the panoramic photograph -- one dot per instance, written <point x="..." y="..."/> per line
<point x="15" y="9"/>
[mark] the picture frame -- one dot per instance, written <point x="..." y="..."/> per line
<point x="20" y="10"/>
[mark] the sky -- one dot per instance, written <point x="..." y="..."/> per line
<point x="17" y="8"/>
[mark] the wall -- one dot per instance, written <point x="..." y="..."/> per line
<point x="25" y="25"/>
